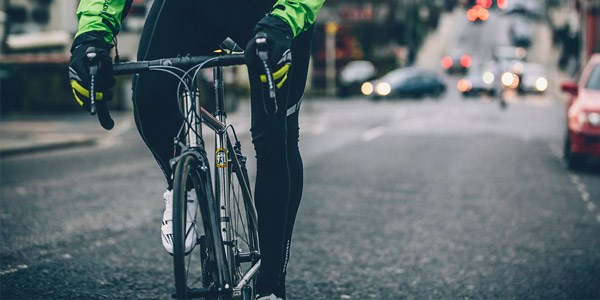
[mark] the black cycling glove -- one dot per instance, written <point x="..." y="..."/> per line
<point x="79" y="69"/>
<point x="279" y="41"/>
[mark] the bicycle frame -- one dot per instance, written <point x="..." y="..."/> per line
<point x="227" y="155"/>
<point x="225" y="152"/>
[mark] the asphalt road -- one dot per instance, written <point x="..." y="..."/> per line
<point x="414" y="199"/>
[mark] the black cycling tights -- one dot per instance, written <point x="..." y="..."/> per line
<point x="197" y="27"/>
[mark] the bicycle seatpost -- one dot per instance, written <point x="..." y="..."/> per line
<point x="262" y="51"/>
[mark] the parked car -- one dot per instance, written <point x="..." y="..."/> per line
<point x="456" y="61"/>
<point x="533" y="9"/>
<point x="353" y="75"/>
<point x="405" y="82"/>
<point x="533" y="79"/>
<point x="480" y="79"/>
<point x="520" y="33"/>
<point x="582" y="139"/>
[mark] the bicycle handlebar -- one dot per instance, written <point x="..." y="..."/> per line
<point x="205" y="61"/>
<point x="181" y="62"/>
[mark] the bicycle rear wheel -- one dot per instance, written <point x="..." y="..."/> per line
<point x="202" y="271"/>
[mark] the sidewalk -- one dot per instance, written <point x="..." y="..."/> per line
<point x="27" y="133"/>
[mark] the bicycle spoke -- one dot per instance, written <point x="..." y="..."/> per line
<point x="238" y="206"/>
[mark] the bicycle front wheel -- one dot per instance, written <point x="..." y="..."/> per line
<point x="199" y="266"/>
<point x="243" y="223"/>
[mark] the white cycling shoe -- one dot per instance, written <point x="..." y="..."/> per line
<point x="167" y="224"/>
<point x="268" y="297"/>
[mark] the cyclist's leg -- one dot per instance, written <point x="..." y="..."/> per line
<point x="279" y="177"/>
<point x="301" y="58"/>
<point x="172" y="28"/>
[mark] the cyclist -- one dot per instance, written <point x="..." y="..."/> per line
<point x="196" y="27"/>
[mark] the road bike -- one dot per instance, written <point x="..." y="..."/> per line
<point x="226" y="257"/>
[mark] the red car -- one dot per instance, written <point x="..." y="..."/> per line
<point x="582" y="140"/>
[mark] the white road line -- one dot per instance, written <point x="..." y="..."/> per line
<point x="584" y="194"/>
<point x="13" y="270"/>
<point x="591" y="206"/>
<point x="372" y="134"/>
<point x="581" y="188"/>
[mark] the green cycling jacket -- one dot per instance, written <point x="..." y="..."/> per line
<point x="107" y="15"/>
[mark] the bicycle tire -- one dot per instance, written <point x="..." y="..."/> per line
<point x="208" y="258"/>
<point x="243" y="219"/>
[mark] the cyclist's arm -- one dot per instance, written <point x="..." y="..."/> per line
<point x="102" y="15"/>
<point x="298" y="14"/>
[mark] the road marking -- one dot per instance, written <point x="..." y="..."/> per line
<point x="584" y="194"/>
<point x="581" y="188"/>
<point x="372" y="134"/>
<point x="591" y="206"/>
<point x="13" y="270"/>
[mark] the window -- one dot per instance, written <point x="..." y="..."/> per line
<point x="594" y="80"/>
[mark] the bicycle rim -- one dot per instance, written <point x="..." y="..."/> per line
<point x="201" y="268"/>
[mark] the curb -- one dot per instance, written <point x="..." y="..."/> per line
<point x="33" y="148"/>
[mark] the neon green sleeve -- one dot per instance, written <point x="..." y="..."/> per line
<point x="100" y="15"/>
<point x="299" y="14"/>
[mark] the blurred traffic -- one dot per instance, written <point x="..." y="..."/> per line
<point x="480" y="50"/>
<point x="405" y="82"/>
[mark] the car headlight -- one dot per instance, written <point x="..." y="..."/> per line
<point x="594" y="118"/>
<point x="541" y="84"/>
<point x="488" y="77"/>
<point x="508" y="79"/>
<point x="367" y="88"/>
<point x="383" y="89"/>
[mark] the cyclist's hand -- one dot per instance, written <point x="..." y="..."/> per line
<point x="79" y="69"/>
<point x="279" y="41"/>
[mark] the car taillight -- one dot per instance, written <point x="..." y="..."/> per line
<point x="485" y="3"/>
<point x="478" y="12"/>
<point x="463" y="85"/>
<point x="501" y="4"/>
<point x="446" y="62"/>
<point x="465" y="61"/>
<point x="472" y="14"/>
<point x="483" y="14"/>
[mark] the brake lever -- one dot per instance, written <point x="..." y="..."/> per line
<point x="104" y="117"/>
<point x="92" y="59"/>
<point x="262" y="51"/>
